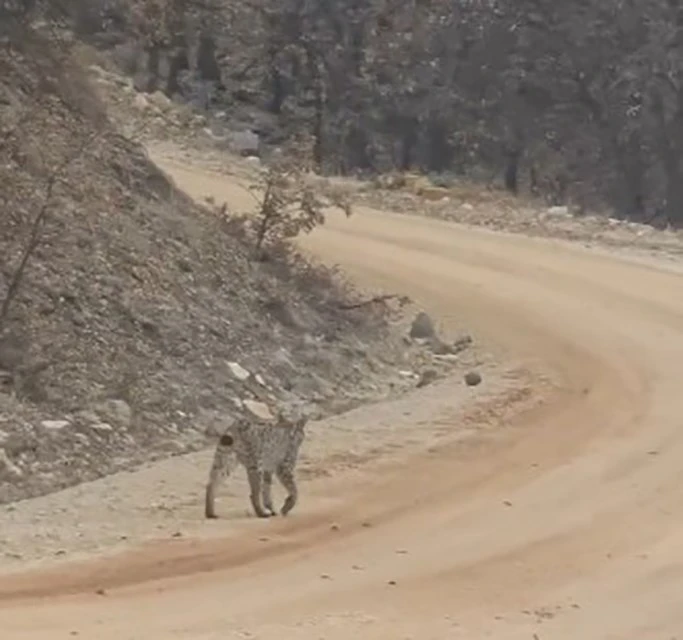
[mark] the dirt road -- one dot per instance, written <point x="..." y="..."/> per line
<point x="567" y="524"/>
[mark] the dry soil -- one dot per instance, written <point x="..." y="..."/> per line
<point x="559" y="517"/>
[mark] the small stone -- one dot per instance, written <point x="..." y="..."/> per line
<point x="259" y="378"/>
<point x="160" y="100"/>
<point x="440" y="348"/>
<point x="445" y="357"/>
<point x="54" y="425"/>
<point x="140" y="102"/>
<point x="102" y="427"/>
<point x="238" y="371"/>
<point x="82" y="439"/>
<point x="461" y="343"/>
<point x="100" y="592"/>
<point x="87" y="416"/>
<point x="115" y="411"/>
<point x="422" y="326"/>
<point x="426" y="378"/>
<point x="258" y="409"/>
<point x="392" y="583"/>
<point x="245" y="143"/>
<point x="334" y="527"/>
<point x="472" y="379"/>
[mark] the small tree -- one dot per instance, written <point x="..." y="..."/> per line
<point x="288" y="203"/>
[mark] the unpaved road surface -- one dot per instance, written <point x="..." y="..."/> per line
<point x="566" y="523"/>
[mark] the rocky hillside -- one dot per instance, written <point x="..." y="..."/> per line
<point x="133" y="321"/>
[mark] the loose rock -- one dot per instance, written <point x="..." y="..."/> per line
<point x="116" y="412"/>
<point x="102" y="427"/>
<point x="258" y="409"/>
<point x="462" y="343"/>
<point x="54" y="425"/>
<point x="422" y="326"/>
<point x="140" y="102"/>
<point x="426" y="378"/>
<point x="238" y="371"/>
<point x="160" y="100"/>
<point x="472" y="379"/>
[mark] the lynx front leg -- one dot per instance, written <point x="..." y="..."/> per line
<point x="254" y="476"/>
<point x="286" y="477"/>
<point x="223" y="463"/>
<point x="267" y="492"/>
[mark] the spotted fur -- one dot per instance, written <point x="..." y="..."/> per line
<point x="263" y="449"/>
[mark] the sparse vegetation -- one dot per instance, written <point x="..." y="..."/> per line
<point x="287" y="204"/>
<point x="132" y="321"/>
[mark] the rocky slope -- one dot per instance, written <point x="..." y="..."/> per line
<point x="140" y="323"/>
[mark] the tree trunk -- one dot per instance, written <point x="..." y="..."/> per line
<point x="153" y="65"/>
<point x="512" y="170"/>
<point x="673" y="209"/>
<point x="409" y="128"/>
<point x="357" y="149"/>
<point x="629" y="197"/>
<point x="277" y="91"/>
<point x="318" y="126"/>
<point x="439" y="151"/>
<point x="179" y="62"/>
<point x="207" y="65"/>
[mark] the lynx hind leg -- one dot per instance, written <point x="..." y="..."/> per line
<point x="255" y="478"/>
<point x="267" y="492"/>
<point x="285" y="475"/>
<point x="223" y="464"/>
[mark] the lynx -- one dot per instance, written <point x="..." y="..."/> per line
<point x="263" y="449"/>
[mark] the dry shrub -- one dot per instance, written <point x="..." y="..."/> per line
<point x="287" y="202"/>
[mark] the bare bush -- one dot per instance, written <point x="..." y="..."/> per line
<point x="287" y="202"/>
<point x="56" y="177"/>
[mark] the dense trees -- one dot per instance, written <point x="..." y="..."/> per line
<point x="579" y="101"/>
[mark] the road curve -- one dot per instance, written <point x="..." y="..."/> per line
<point x="568" y="524"/>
